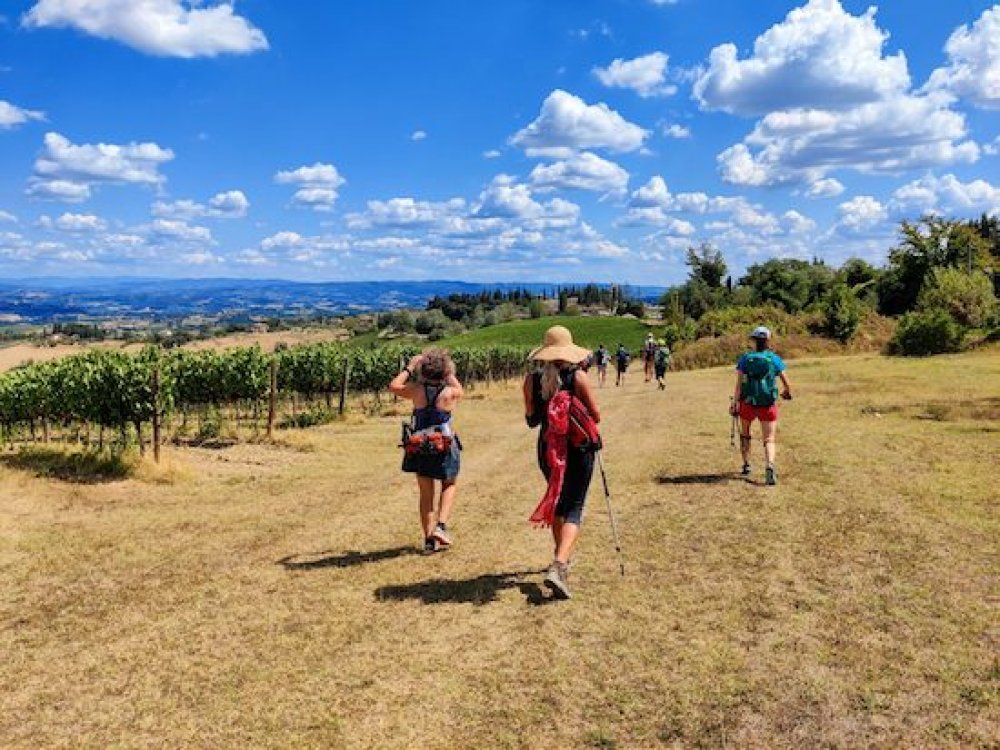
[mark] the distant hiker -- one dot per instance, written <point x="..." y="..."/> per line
<point x="622" y="358"/>
<point x="648" y="355"/>
<point x="566" y="443"/>
<point x="432" y="450"/>
<point x="661" y="361"/>
<point x="756" y="397"/>
<point x="602" y="356"/>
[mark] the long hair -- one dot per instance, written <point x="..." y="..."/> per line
<point x="436" y="365"/>
<point x="551" y="382"/>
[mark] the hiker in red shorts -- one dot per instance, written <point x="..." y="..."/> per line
<point x="756" y="397"/>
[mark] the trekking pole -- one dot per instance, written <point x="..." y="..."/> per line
<point x="732" y="424"/>
<point x="611" y="513"/>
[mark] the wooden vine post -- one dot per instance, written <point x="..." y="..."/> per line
<point x="343" y="385"/>
<point x="156" y="415"/>
<point x="272" y="399"/>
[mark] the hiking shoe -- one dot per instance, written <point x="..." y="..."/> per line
<point x="430" y="546"/>
<point x="746" y="470"/>
<point x="556" y="580"/>
<point x="770" y="478"/>
<point x="440" y="536"/>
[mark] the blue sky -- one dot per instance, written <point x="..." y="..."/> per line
<point x="516" y="141"/>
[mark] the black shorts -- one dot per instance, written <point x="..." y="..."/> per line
<point x="576" y="483"/>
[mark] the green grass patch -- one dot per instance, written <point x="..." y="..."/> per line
<point x="587" y="332"/>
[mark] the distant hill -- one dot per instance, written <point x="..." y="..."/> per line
<point x="587" y="331"/>
<point x="60" y="299"/>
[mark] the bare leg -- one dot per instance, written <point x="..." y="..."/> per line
<point x="745" y="440"/>
<point x="426" y="485"/>
<point x="568" y="532"/>
<point x="448" y="490"/>
<point x="769" y="431"/>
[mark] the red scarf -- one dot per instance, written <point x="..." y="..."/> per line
<point x="556" y="451"/>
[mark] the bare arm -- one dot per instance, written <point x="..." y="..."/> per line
<point x="738" y="389"/>
<point x="451" y="380"/>
<point x="529" y="397"/>
<point x="401" y="385"/>
<point x="786" y="393"/>
<point x="586" y="394"/>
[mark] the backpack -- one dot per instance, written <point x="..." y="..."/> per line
<point x="581" y="432"/>
<point x="758" y="387"/>
<point x="662" y="357"/>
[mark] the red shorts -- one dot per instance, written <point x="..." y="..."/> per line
<point x="748" y="412"/>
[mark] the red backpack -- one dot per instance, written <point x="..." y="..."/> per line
<point x="582" y="432"/>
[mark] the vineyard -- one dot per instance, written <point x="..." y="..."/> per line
<point x="113" y="399"/>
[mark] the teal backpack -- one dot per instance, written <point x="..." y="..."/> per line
<point x="758" y="388"/>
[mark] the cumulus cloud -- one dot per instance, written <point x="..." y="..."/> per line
<point x="973" y="69"/>
<point x="74" y="223"/>
<point x="66" y="172"/>
<point x="169" y="229"/>
<point x="820" y="56"/>
<point x="797" y="223"/>
<point x="318" y="185"/>
<point x="231" y="204"/>
<point x="11" y="116"/>
<point x="676" y="131"/>
<point x="7" y="216"/>
<point x="491" y="154"/>
<point x="861" y="213"/>
<point x="418" y="135"/>
<point x="584" y="171"/>
<point x="567" y="124"/>
<point x="405" y="212"/>
<point x="646" y="75"/>
<point x="827" y="187"/>
<point x="166" y="28"/>
<point x="830" y="100"/>
<point x="932" y="194"/>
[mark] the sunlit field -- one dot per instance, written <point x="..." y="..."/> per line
<point x="272" y="595"/>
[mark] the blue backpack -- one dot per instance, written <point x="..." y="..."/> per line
<point x="759" y="388"/>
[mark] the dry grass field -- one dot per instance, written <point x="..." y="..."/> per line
<point x="271" y="596"/>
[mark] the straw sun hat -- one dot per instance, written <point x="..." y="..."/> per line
<point x="557" y="344"/>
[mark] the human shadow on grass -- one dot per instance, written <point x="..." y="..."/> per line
<point x="76" y="467"/>
<point x="346" y="560"/>
<point x="697" y="478"/>
<point x="479" y="590"/>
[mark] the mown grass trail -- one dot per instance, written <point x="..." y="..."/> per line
<point x="270" y="596"/>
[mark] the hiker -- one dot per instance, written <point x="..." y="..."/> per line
<point x="559" y="357"/>
<point x="622" y="358"/>
<point x="432" y="449"/>
<point x="756" y="397"/>
<point x="648" y="354"/>
<point x="602" y="356"/>
<point x="661" y="360"/>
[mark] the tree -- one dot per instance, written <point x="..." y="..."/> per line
<point x="967" y="297"/>
<point x="842" y="312"/>
<point x="785" y="282"/>
<point x="707" y="264"/>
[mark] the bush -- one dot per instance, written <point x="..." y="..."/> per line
<point x="967" y="297"/>
<point x="673" y="333"/>
<point x="536" y="309"/>
<point x="843" y="312"/>
<point x="742" y="320"/>
<point x="926" y="332"/>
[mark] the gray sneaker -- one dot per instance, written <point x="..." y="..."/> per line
<point x="746" y="470"/>
<point x="440" y="535"/>
<point x="770" y="477"/>
<point x="556" y="580"/>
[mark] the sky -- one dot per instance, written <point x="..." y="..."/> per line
<point x="523" y="140"/>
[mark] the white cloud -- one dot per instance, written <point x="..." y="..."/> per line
<point x="406" y="212"/>
<point x="820" y="56"/>
<point x="11" y="115"/>
<point x="200" y="258"/>
<point x="827" y="187"/>
<point x="7" y="216"/>
<point x="567" y="124"/>
<point x="491" y="154"/>
<point x="316" y="250"/>
<point x="66" y="171"/>
<point x="231" y="204"/>
<point x="418" y="135"/>
<point x="166" y="28"/>
<point x="861" y="213"/>
<point x="830" y="101"/>
<point x="584" y="171"/>
<point x="797" y="223"/>
<point x="180" y="230"/>
<point x="992" y="149"/>
<point x="663" y="2"/>
<point x="655" y="216"/>
<point x="907" y="132"/>
<point x="676" y="131"/>
<point x="932" y="194"/>
<point x="80" y="223"/>
<point x="318" y="185"/>
<point x="646" y="75"/>
<point x="973" y="69"/>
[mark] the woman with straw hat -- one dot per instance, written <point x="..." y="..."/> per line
<point x="560" y="358"/>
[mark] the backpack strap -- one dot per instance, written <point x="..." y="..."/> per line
<point x="432" y="400"/>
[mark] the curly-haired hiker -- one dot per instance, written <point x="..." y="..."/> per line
<point x="559" y="358"/>
<point x="756" y="397"/>
<point x="432" y="449"/>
